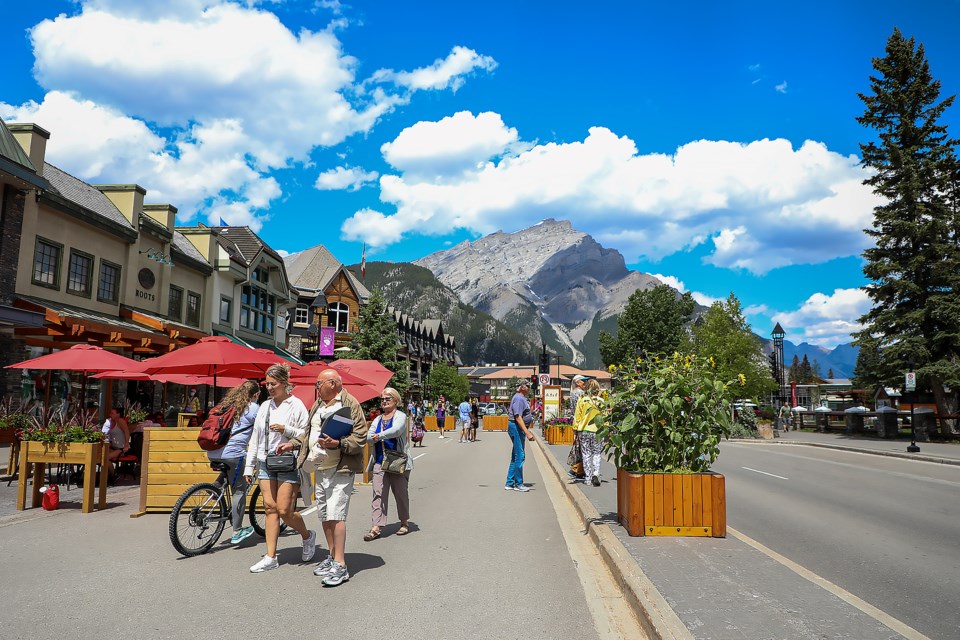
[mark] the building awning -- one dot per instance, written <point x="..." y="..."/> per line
<point x="65" y="325"/>
<point x="20" y="317"/>
<point x="234" y="339"/>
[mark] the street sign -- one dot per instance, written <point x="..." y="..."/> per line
<point x="544" y="379"/>
<point x="911" y="382"/>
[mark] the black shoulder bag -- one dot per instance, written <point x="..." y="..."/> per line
<point x="276" y="462"/>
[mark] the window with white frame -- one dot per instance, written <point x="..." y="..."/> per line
<point x="302" y="314"/>
<point x="338" y="316"/>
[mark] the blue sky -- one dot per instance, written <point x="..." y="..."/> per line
<point x="712" y="143"/>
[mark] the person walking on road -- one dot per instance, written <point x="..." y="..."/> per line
<point x="243" y="399"/>
<point x="334" y="486"/>
<point x="463" y="421"/>
<point x="441" y="416"/>
<point x="586" y="429"/>
<point x="389" y="433"/>
<point x="474" y="420"/>
<point x="279" y="419"/>
<point x="518" y="427"/>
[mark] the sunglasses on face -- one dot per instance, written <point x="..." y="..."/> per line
<point x="387" y="399"/>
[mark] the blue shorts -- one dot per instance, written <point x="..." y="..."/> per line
<point x="289" y="477"/>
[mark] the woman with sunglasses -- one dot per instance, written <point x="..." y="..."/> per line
<point x="389" y="432"/>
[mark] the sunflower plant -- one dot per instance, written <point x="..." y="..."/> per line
<point x="666" y="415"/>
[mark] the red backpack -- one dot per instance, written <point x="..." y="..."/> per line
<point x="215" y="430"/>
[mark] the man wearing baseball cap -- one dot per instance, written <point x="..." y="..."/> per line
<point x="519" y="429"/>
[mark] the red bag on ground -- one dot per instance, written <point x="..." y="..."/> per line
<point x="51" y="498"/>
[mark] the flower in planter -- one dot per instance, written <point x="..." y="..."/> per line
<point x="15" y="413"/>
<point x="667" y="414"/>
<point x="56" y="427"/>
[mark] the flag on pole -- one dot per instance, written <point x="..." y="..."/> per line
<point x="223" y="223"/>
<point x="363" y="262"/>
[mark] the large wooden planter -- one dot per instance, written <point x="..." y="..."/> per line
<point x="430" y="423"/>
<point x="40" y="454"/>
<point x="672" y="504"/>
<point x="171" y="462"/>
<point x="557" y="434"/>
<point x="495" y="423"/>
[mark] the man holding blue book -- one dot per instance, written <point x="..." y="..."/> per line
<point x="334" y="444"/>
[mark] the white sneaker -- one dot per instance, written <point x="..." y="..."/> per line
<point x="266" y="564"/>
<point x="309" y="547"/>
<point x="442" y="437"/>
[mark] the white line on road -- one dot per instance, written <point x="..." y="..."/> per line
<point x="880" y="616"/>
<point x="765" y="473"/>
<point x="420" y="456"/>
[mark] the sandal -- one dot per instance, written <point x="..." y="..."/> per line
<point x="373" y="534"/>
<point x="402" y="531"/>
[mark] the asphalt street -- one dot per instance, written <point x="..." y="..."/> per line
<point x="884" y="529"/>
<point x="480" y="562"/>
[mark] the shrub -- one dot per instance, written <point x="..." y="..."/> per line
<point x="666" y="415"/>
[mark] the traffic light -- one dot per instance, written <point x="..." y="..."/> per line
<point x="544" y="362"/>
<point x="533" y="382"/>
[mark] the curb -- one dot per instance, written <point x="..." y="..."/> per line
<point x="656" y="617"/>
<point x="874" y="452"/>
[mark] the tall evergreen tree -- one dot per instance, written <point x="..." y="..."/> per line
<point x="914" y="266"/>
<point x="724" y="334"/>
<point x="805" y="372"/>
<point x="793" y="373"/>
<point x="376" y="339"/>
<point x="654" y="321"/>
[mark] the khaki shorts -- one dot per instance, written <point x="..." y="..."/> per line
<point x="333" y="494"/>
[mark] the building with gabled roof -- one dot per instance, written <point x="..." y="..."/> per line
<point x="329" y="297"/>
<point x="250" y="292"/>
<point x="423" y="343"/>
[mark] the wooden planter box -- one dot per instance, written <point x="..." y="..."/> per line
<point x="495" y="423"/>
<point x="556" y="434"/>
<point x="430" y="423"/>
<point x="172" y="461"/>
<point x="40" y="454"/>
<point x="672" y="504"/>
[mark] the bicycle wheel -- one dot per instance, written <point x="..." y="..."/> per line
<point x="197" y="519"/>
<point x="258" y="519"/>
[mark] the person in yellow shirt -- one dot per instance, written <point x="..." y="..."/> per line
<point x="587" y="431"/>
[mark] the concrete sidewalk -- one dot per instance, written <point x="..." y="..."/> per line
<point x="722" y="588"/>
<point x="939" y="452"/>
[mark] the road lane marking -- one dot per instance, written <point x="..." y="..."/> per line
<point x="883" y="618"/>
<point x="765" y="473"/>
<point x="420" y="456"/>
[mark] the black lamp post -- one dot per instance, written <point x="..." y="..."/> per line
<point x="778" y="336"/>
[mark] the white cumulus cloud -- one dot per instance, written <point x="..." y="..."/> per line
<point x="757" y="205"/>
<point x="676" y="283"/>
<point x="349" y="178"/>
<point x="826" y="320"/>
<point x="782" y="87"/>
<point x="200" y="101"/>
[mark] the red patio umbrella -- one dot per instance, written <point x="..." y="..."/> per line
<point x="306" y="376"/>
<point x="370" y="370"/>
<point x="212" y="356"/>
<point x="84" y="358"/>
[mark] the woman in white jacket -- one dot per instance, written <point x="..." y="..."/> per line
<point x="389" y="432"/>
<point x="279" y="419"/>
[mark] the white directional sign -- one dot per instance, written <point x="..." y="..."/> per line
<point x="911" y="382"/>
<point x="544" y="378"/>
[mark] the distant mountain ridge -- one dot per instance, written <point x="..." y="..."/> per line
<point x="415" y="291"/>
<point x="550" y="283"/>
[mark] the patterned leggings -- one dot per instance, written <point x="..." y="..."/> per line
<point x="591" y="451"/>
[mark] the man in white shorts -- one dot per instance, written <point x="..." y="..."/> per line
<point x="334" y="476"/>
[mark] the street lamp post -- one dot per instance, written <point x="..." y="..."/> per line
<point x="778" y="336"/>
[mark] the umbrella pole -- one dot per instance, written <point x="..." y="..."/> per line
<point x="46" y="393"/>
<point x="214" y="385"/>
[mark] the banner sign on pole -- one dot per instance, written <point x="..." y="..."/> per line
<point x="551" y="402"/>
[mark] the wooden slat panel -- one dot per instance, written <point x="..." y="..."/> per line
<point x="707" y="501"/>
<point x="719" y="502"/>
<point x="658" y="499"/>
<point x="179" y="467"/>
<point x="697" y="501"/>
<point x="678" y="501"/>
<point x="182" y="478"/>
<point x="495" y="423"/>
<point x="688" y="500"/>
<point x="177" y="445"/>
<point x="164" y="434"/>
<point x="178" y="456"/>
<point x="648" y="498"/>
<point x="667" y="500"/>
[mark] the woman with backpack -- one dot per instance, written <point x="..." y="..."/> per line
<point x="243" y="401"/>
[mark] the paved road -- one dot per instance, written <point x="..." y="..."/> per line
<point x="480" y="563"/>
<point x="885" y="529"/>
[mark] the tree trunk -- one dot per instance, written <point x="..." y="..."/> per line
<point x="946" y="404"/>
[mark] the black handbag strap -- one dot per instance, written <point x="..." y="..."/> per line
<point x="266" y="430"/>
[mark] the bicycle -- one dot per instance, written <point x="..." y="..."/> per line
<point x="201" y="513"/>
